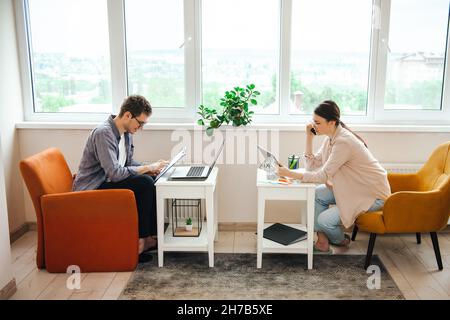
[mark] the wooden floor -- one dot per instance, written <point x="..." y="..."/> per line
<point x="413" y="267"/>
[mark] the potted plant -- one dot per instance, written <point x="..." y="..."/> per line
<point x="234" y="108"/>
<point x="188" y="225"/>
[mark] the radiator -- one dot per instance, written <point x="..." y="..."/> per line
<point x="402" y="167"/>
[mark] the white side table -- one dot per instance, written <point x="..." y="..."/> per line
<point x="296" y="191"/>
<point x="207" y="190"/>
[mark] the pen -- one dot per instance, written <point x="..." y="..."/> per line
<point x="293" y="163"/>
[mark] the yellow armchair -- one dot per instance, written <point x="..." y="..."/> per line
<point x="420" y="202"/>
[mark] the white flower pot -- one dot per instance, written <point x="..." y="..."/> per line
<point x="188" y="227"/>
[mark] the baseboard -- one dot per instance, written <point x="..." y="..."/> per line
<point x="8" y="291"/>
<point x="20" y="231"/>
<point x="237" y="226"/>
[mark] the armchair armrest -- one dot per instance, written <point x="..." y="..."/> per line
<point x="96" y="230"/>
<point x="410" y="211"/>
<point x="403" y="182"/>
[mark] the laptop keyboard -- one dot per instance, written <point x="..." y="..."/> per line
<point x="195" y="171"/>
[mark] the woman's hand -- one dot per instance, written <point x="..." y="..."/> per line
<point x="284" y="172"/>
<point x="309" y="126"/>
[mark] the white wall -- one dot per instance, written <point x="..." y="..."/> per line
<point x="237" y="190"/>
<point x="6" y="274"/>
<point x="10" y="113"/>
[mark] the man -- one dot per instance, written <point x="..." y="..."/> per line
<point x="108" y="163"/>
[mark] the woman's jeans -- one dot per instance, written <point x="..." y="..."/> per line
<point x="328" y="220"/>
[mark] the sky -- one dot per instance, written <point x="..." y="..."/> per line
<point x="77" y="27"/>
<point x="80" y="27"/>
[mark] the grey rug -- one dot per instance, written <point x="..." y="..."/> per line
<point x="235" y="276"/>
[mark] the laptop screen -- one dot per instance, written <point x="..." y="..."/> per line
<point x="172" y="162"/>
<point x="267" y="154"/>
<point x="217" y="156"/>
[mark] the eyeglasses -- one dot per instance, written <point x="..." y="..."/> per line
<point x="141" y="123"/>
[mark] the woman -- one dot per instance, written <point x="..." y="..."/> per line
<point x="352" y="179"/>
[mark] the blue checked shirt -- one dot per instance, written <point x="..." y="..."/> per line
<point x="100" y="161"/>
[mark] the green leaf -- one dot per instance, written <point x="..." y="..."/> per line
<point x="214" y="123"/>
<point x="256" y="93"/>
<point x="251" y="86"/>
<point x="200" y="122"/>
<point x="253" y="101"/>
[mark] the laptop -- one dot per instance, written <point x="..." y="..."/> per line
<point x="195" y="173"/>
<point x="172" y="162"/>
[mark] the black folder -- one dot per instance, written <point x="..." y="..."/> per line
<point x="284" y="234"/>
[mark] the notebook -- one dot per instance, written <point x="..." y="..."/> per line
<point x="284" y="234"/>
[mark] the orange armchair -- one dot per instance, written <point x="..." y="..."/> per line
<point x="96" y="230"/>
<point x="420" y="202"/>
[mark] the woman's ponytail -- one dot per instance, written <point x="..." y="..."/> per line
<point x="345" y="126"/>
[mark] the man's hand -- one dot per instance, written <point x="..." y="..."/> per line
<point x="156" y="167"/>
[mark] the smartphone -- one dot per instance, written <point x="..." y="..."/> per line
<point x="313" y="131"/>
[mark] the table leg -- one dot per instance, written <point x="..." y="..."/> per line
<point x="216" y="215"/>
<point x="260" y="229"/>
<point x="160" y="226"/>
<point x="211" y="224"/>
<point x="310" y="225"/>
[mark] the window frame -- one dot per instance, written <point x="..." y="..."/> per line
<point x="26" y="67"/>
<point x="193" y="79"/>
<point x="406" y="116"/>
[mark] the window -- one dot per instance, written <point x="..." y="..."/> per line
<point x="155" y="51"/>
<point x="330" y="54"/>
<point x="416" y="54"/>
<point x="70" y="56"/>
<point x="382" y="61"/>
<point x="239" y="47"/>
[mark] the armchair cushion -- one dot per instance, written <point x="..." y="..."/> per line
<point x="96" y="230"/>
<point x="404" y="182"/>
<point x="412" y="212"/>
<point x="371" y="222"/>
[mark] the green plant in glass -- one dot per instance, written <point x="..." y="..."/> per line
<point x="234" y="108"/>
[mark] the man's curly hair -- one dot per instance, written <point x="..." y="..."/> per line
<point x="136" y="105"/>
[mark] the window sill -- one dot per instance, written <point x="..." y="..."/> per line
<point x="261" y="126"/>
